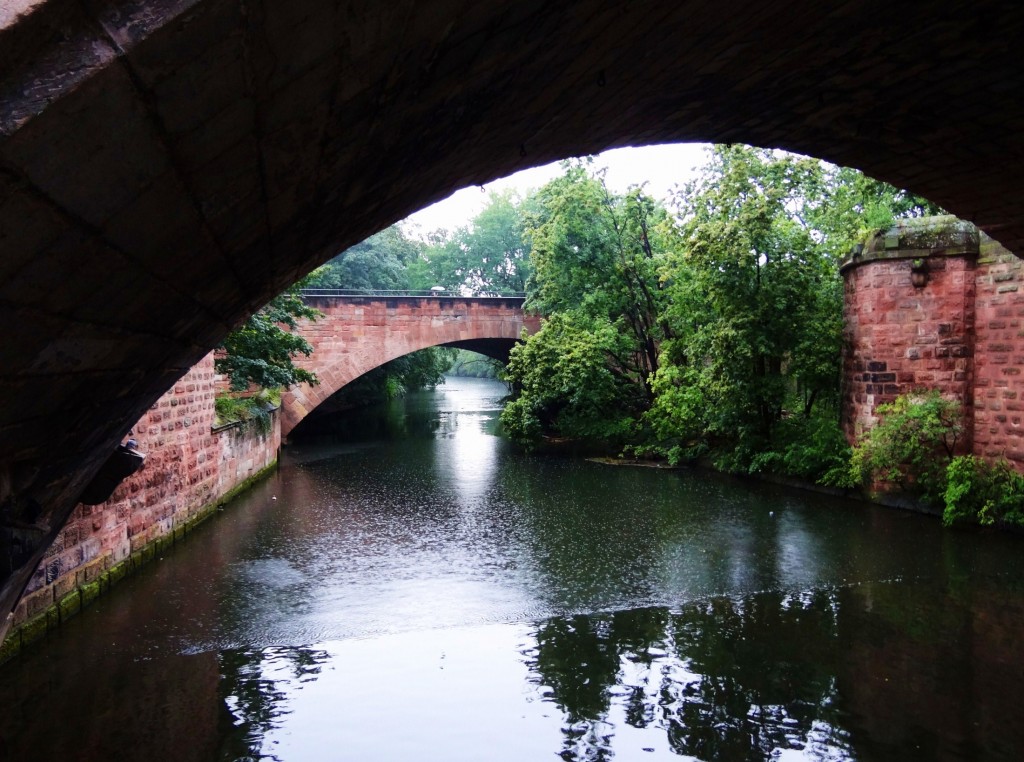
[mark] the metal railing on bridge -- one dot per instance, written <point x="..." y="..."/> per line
<point x="390" y="293"/>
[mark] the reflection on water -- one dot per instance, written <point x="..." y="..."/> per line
<point x="701" y="683"/>
<point x="768" y="675"/>
<point x="411" y="588"/>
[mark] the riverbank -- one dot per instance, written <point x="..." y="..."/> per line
<point x="900" y="502"/>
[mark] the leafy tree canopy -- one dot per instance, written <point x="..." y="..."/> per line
<point x="261" y="351"/>
<point x="381" y="262"/>
<point x="713" y="327"/>
<point x="596" y="257"/>
<point x="488" y="256"/>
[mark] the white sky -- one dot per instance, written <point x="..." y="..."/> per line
<point x="661" y="167"/>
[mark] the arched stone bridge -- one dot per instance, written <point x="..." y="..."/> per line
<point x="168" y="166"/>
<point x="359" y="333"/>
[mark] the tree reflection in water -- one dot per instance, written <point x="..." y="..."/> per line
<point x="724" y="678"/>
<point x="873" y="670"/>
<point x="254" y="688"/>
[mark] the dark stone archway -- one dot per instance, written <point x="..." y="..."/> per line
<point x="166" y="166"/>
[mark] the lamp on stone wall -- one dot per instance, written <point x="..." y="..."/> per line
<point x="121" y="464"/>
<point x="918" y="272"/>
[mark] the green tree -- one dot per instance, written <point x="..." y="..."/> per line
<point x="381" y="262"/>
<point x="444" y="262"/>
<point x="470" y="364"/>
<point x="497" y="255"/>
<point x="754" y="302"/>
<point x="755" y="309"/>
<point x="851" y="204"/>
<point x="598" y="254"/>
<point x="261" y="351"/>
<point x="425" y="368"/>
<point x="982" y="492"/>
<point x="566" y="381"/>
<point x="596" y="258"/>
<point x="488" y="256"/>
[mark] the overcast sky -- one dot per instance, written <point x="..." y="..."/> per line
<point x="661" y="167"/>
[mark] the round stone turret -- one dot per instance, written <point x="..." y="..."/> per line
<point x="909" y="317"/>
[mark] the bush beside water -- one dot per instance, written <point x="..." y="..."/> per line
<point x="912" y="450"/>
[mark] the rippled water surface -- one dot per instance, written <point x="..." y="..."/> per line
<point x="415" y="589"/>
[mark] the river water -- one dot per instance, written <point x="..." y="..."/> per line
<point x="416" y="589"/>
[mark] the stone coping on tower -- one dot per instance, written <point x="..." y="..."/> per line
<point x="917" y="238"/>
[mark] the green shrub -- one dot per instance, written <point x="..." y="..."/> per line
<point x="254" y="411"/>
<point x="674" y="454"/>
<point x="984" y="493"/>
<point x="807" y="448"/>
<point x="521" y="423"/>
<point x="911" y="446"/>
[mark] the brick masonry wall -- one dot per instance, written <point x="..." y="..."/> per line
<point x="999" y="384"/>
<point x="962" y="333"/>
<point x="899" y="337"/>
<point x="189" y="467"/>
<point x="358" y="334"/>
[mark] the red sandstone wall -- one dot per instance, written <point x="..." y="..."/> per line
<point x="999" y="384"/>
<point x="188" y="467"/>
<point x="899" y="338"/>
<point x="962" y="333"/>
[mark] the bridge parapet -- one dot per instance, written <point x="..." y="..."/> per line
<point x="373" y="293"/>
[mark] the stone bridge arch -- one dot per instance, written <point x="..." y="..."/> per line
<point x="168" y="166"/>
<point x="357" y="334"/>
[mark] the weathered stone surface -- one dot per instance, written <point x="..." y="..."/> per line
<point x="188" y="467"/>
<point x="999" y="355"/>
<point x="900" y="337"/>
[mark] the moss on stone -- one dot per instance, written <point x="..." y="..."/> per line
<point x="90" y="592"/>
<point x="34" y="629"/>
<point x="69" y="605"/>
<point x="10" y="648"/>
<point x="941" y="232"/>
<point x="243" y="486"/>
<point x="993" y="251"/>
<point x="919" y="238"/>
<point x="118" y="571"/>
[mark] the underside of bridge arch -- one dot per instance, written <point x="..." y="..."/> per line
<point x="496" y="349"/>
<point x="166" y="166"/>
